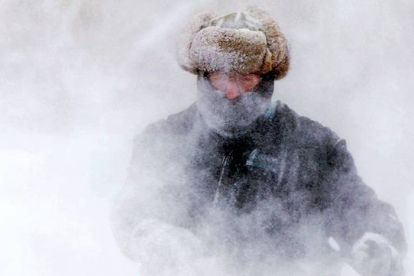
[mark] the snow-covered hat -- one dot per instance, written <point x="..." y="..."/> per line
<point x="245" y="42"/>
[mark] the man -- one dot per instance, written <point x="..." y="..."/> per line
<point x="239" y="178"/>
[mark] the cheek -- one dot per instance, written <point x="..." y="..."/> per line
<point x="249" y="85"/>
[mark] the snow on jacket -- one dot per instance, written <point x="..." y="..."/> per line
<point x="289" y="184"/>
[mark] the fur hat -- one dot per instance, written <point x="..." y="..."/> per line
<point x="245" y="42"/>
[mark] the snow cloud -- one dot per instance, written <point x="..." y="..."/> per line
<point x="79" y="79"/>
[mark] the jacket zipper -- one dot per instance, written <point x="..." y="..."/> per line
<point x="219" y="184"/>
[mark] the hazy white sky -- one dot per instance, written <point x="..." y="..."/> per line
<point x="79" y="78"/>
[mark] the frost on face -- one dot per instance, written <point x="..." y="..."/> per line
<point x="229" y="118"/>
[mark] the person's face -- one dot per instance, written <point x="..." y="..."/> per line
<point x="230" y="102"/>
<point x="234" y="84"/>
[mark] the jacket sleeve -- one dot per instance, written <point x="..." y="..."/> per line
<point x="148" y="201"/>
<point x="354" y="208"/>
<point x="133" y="203"/>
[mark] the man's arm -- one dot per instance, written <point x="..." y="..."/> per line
<point x="145" y="212"/>
<point x="358" y="220"/>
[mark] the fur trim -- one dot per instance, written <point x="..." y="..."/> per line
<point x="276" y="41"/>
<point x="223" y="49"/>
<point x="186" y="40"/>
<point x="210" y="48"/>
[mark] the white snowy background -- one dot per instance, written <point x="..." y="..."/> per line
<point x="78" y="79"/>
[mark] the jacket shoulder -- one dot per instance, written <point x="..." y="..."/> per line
<point x="175" y="124"/>
<point x="307" y="132"/>
<point x="164" y="133"/>
<point x="163" y="139"/>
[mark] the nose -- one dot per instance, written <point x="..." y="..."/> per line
<point x="232" y="90"/>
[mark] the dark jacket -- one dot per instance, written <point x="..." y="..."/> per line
<point x="294" y="177"/>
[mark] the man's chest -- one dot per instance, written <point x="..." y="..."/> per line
<point x="241" y="177"/>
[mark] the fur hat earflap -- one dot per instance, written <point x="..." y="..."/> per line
<point x="245" y="42"/>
